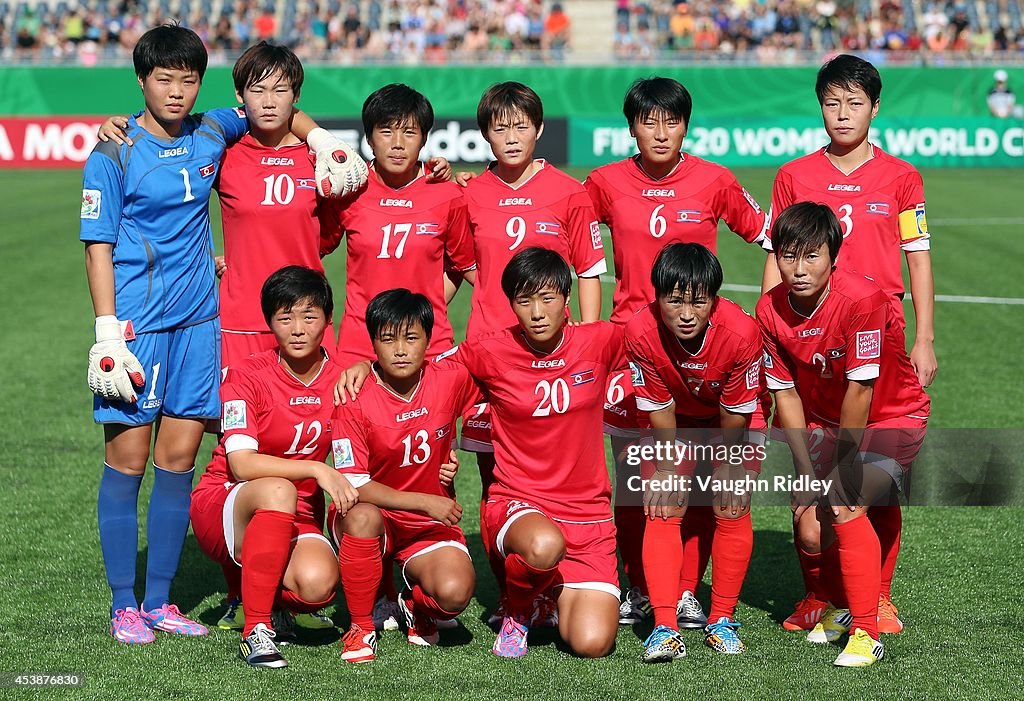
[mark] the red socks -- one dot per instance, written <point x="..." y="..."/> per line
<point x="361" y="568"/>
<point x="831" y="582"/>
<point x="428" y="605"/>
<point x="266" y="547"/>
<point x="698" y="534"/>
<point x="663" y="561"/>
<point x="288" y="599"/>
<point x="810" y="568"/>
<point x="233" y="578"/>
<point x="629" y="536"/>
<point x="860" y="559"/>
<point x="888" y="524"/>
<point x="730" y="554"/>
<point x="525" y="583"/>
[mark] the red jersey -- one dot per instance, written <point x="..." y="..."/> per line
<point x="547" y="412"/>
<point x="401" y="443"/>
<point x="852" y="335"/>
<point x="271" y="219"/>
<point x="880" y="206"/>
<point x="725" y="372"/>
<point x="551" y="210"/>
<point x="645" y="215"/>
<point x="400" y="238"/>
<point x="266" y="409"/>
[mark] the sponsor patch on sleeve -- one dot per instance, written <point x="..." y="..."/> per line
<point x="234" y="415"/>
<point x="91" y="204"/>
<point x="754" y="374"/>
<point x="750" y="200"/>
<point x="767" y="361"/>
<point x="638" y="374"/>
<point x="913" y="223"/>
<point x="595" y="236"/>
<point x="240" y="111"/>
<point x="343" y="456"/>
<point x="451" y="351"/>
<point x="869" y="344"/>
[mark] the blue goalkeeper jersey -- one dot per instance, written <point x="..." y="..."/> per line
<point x="151" y="202"/>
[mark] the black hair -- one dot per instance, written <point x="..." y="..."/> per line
<point x="502" y="101"/>
<point x="169" y="46"/>
<point x="397" y="311"/>
<point x="293" y="284"/>
<point x="533" y="269"/>
<point x="649" y="96"/>
<point x="262" y="60"/>
<point x="688" y="267"/>
<point x="804" y="227"/>
<point x="394" y="105"/>
<point x="848" y="73"/>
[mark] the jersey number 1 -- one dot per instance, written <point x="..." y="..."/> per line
<point x="188" y="186"/>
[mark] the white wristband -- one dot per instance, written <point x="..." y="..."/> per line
<point x="108" y="328"/>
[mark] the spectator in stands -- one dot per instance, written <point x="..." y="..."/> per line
<point x="556" y="31"/>
<point x="266" y="24"/>
<point x="1002" y="103"/>
<point x="682" y="26"/>
<point x="27" y="29"/>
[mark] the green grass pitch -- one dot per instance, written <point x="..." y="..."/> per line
<point x="957" y="583"/>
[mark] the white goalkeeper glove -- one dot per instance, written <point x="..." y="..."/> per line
<point x="339" y="170"/>
<point x="112" y="367"/>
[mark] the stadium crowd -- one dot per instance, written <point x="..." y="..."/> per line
<point x="462" y="31"/>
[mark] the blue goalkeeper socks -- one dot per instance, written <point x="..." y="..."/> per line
<point x="118" y="515"/>
<point x="166" y="526"/>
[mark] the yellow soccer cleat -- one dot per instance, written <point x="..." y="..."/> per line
<point x="834" y="624"/>
<point x="861" y="651"/>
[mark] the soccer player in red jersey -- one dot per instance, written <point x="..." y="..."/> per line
<point x="660" y="196"/>
<point x="836" y="361"/>
<point x="879" y="200"/>
<point x="400" y="227"/>
<point x="697" y="365"/>
<point x="259" y="504"/>
<point x="392" y="443"/>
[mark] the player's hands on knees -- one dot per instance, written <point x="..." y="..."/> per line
<point x="800" y="500"/>
<point x="114" y="129"/>
<point x="663" y="503"/>
<point x="449" y="469"/>
<point x="922" y="357"/>
<point x="341" y="491"/>
<point x="114" y="371"/>
<point x="439" y="170"/>
<point x="447" y="511"/>
<point x="463" y="177"/>
<point x="735" y="499"/>
<point x="219" y="266"/>
<point x="350" y="382"/>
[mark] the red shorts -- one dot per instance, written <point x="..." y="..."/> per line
<point x="589" y="562"/>
<point x="476" y="430"/>
<point x="236" y="346"/>
<point x="212" y="514"/>
<point x="621" y="417"/>
<point x="891" y="445"/>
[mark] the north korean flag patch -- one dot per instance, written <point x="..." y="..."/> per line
<point x="208" y="170"/>
<point x="583" y="377"/>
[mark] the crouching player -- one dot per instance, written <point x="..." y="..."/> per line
<point x="696" y="361"/>
<point x="836" y="361"/>
<point x="259" y="504"/>
<point x="392" y="443"/>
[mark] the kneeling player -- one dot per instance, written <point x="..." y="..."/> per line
<point x="696" y="364"/>
<point x="836" y="361"/>
<point x="259" y="502"/>
<point x="391" y="443"/>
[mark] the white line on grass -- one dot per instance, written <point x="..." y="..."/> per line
<point x="960" y="299"/>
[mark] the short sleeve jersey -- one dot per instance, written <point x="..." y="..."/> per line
<point x="272" y="218"/>
<point x="880" y="207"/>
<point x="852" y="335"/>
<point x="547" y="411"/>
<point x="399" y="442"/>
<point x="402" y="238"/>
<point x="550" y="210"/>
<point x="266" y="409"/>
<point x="150" y="201"/>
<point x="725" y="372"/>
<point x="645" y="215"/>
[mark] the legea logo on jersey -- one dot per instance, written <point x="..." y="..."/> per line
<point x="583" y="377"/>
<point x="542" y="364"/>
<point x="652" y="192"/>
<point x="305" y="183"/>
<point x="516" y="202"/>
<point x="687" y="216"/>
<point x="843" y="187"/>
<point x="343" y="457"/>
<point x="303" y="401"/>
<point x="405" y="416"/>
<point x="548" y="228"/>
<point x="91" y="204"/>
<point x="807" y="333"/>
<point x="878" y="208"/>
<point x="869" y="344"/>
<point x="234" y="415"/>
<point x="277" y="161"/>
<point x="687" y="365"/>
<point x="390" y="202"/>
<point x="428" y="229"/>
<point x="172" y="152"/>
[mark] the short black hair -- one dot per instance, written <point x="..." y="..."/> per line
<point x="293" y="284"/>
<point x="804" y="227"/>
<point x="397" y="310"/>
<point x="648" y="96"/>
<point x="848" y="72"/>
<point x="262" y="60"/>
<point x="504" y="100"/>
<point x="169" y="46"/>
<point x="688" y="267"/>
<point x="394" y="105"/>
<point x="533" y="269"/>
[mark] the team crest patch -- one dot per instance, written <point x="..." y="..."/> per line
<point x="754" y="375"/>
<point x="869" y="344"/>
<point x="637" y="374"/>
<point x="91" y="204"/>
<point x="767" y="361"/>
<point x="595" y="235"/>
<point x="343" y="456"/>
<point x="234" y="415"/>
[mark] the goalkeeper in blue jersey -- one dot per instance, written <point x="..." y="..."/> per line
<point x="148" y="251"/>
